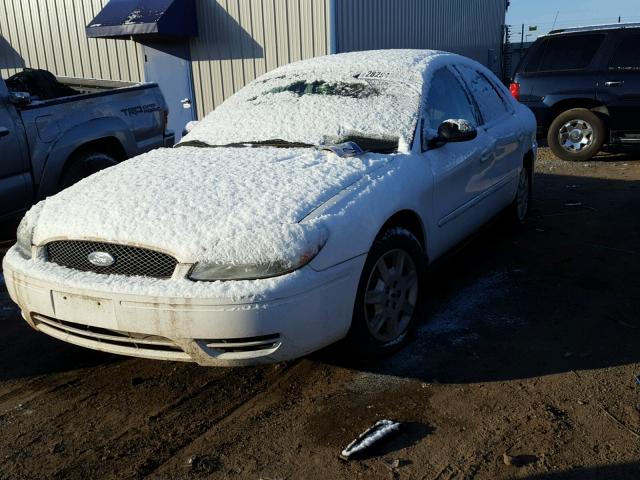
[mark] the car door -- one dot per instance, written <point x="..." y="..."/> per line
<point x="457" y="168"/>
<point x="15" y="178"/>
<point x="500" y="168"/>
<point x="619" y="87"/>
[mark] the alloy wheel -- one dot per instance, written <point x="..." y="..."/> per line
<point x="575" y="135"/>
<point x="391" y="296"/>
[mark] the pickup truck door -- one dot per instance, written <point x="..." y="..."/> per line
<point x="15" y="176"/>
<point x="619" y="87"/>
<point x="458" y="168"/>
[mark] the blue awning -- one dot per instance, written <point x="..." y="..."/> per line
<point x="156" y="18"/>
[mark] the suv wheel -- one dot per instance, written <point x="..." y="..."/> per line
<point x="389" y="295"/>
<point x="576" y="135"/>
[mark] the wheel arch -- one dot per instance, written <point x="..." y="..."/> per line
<point x="595" y="106"/>
<point x="409" y="220"/>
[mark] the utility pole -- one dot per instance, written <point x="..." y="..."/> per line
<point x="522" y="39"/>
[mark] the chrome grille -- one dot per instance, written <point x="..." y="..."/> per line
<point x="131" y="261"/>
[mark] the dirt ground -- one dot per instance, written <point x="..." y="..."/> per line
<point x="524" y="367"/>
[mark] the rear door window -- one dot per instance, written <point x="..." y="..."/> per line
<point x="532" y="60"/>
<point x="491" y="104"/>
<point x="627" y="55"/>
<point x="569" y="52"/>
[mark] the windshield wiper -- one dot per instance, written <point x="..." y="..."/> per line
<point x="278" y="143"/>
<point x="373" y="144"/>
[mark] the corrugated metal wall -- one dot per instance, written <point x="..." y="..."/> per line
<point x="467" y="27"/>
<point x="242" y="39"/>
<point x="49" y="34"/>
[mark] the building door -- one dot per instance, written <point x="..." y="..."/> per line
<point x="169" y="66"/>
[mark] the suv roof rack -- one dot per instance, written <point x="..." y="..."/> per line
<point x="591" y="28"/>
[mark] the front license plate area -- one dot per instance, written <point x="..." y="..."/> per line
<point x="83" y="309"/>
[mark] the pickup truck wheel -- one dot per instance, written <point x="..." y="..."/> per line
<point x="389" y="296"/>
<point x="84" y="164"/>
<point x="576" y="135"/>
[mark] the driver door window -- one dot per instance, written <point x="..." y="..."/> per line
<point x="446" y="100"/>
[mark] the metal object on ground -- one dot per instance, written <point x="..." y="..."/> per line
<point x="372" y="436"/>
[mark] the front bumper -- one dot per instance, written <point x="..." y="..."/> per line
<point x="291" y="319"/>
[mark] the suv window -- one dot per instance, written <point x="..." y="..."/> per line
<point x="569" y="52"/>
<point x="627" y="55"/>
<point x="446" y="100"/>
<point x="492" y="105"/>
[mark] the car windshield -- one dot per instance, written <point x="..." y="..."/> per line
<point x="378" y="110"/>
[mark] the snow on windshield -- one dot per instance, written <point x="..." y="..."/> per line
<point x="323" y="100"/>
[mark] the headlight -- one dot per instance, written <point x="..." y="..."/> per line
<point x="217" y="271"/>
<point x="283" y="257"/>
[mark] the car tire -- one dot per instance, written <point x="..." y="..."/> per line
<point x="519" y="209"/>
<point x="576" y="135"/>
<point x="84" y="164"/>
<point x="389" y="297"/>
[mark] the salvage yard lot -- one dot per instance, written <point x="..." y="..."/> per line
<point x="524" y="368"/>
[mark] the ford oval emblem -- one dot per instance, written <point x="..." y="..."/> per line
<point x="101" y="259"/>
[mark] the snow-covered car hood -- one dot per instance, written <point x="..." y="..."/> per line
<point x="223" y="205"/>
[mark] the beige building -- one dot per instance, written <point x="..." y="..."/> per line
<point x="232" y="41"/>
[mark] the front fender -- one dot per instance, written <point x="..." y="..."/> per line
<point x="74" y="138"/>
<point x="354" y="218"/>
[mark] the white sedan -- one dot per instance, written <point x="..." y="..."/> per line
<point x="302" y="211"/>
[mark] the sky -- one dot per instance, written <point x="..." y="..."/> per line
<point x="542" y="13"/>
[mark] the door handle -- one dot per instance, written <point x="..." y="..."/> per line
<point x="486" y="155"/>
<point x="613" y="84"/>
<point x="4" y="131"/>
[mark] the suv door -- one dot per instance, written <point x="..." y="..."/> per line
<point x="457" y="168"/>
<point x="619" y="87"/>
<point x="15" y="178"/>
<point x="560" y="67"/>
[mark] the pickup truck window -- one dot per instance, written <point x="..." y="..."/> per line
<point x="627" y="55"/>
<point x="569" y="52"/>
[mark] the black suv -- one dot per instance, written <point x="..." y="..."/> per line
<point x="583" y="85"/>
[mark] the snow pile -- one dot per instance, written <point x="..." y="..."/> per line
<point x="222" y="205"/>
<point x="463" y="125"/>
<point x="320" y="100"/>
<point x="135" y="16"/>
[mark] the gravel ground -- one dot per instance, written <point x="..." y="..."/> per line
<point x="523" y="367"/>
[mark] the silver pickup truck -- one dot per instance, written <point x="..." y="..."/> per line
<point x="47" y="145"/>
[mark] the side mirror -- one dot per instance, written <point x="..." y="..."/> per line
<point x="20" y="98"/>
<point x="451" y="131"/>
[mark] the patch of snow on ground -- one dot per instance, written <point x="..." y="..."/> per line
<point x="455" y="322"/>
<point x="468" y="308"/>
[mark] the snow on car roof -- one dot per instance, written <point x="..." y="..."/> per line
<point x="321" y="100"/>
